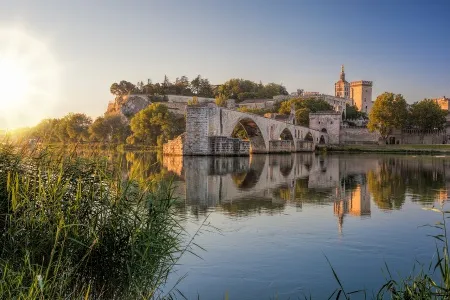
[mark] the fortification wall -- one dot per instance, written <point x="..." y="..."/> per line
<point x="359" y="135"/>
<point x="185" y="99"/>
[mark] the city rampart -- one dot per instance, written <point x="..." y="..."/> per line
<point x="358" y="135"/>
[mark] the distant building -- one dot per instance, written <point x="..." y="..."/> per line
<point x="342" y="87"/>
<point x="443" y="102"/>
<point x="359" y="91"/>
<point x="361" y="94"/>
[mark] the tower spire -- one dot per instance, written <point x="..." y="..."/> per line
<point x="342" y="77"/>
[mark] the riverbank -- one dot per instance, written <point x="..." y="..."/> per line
<point x="403" y="149"/>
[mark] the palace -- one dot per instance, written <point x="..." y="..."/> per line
<point x="360" y="92"/>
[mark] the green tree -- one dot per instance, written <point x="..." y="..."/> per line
<point x="205" y="89"/>
<point x="155" y="124"/>
<point x="351" y="112"/>
<point x="195" y="84"/>
<point x="314" y="105"/>
<point x="388" y="112"/>
<point x="427" y="115"/>
<point x="110" y="129"/>
<point x="122" y="88"/>
<point x="302" y="116"/>
<point x="182" y="86"/>
<point x="221" y="100"/>
<point x="77" y="126"/>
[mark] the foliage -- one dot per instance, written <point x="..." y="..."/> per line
<point x="302" y="116"/>
<point x="313" y="104"/>
<point x="194" y="101"/>
<point x="122" y="88"/>
<point x="155" y="125"/>
<point x="427" y="115"/>
<point x="112" y="129"/>
<point x="70" y="128"/>
<point x="73" y="228"/>
<point x="242" y="89"/>
<point x="221" y="100"/>
<point x="256" y="111"/>
<point x="388" y="112"/>
<point x="352" y="112"/>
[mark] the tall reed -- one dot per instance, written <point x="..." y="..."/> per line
<point x="74" y="227"/>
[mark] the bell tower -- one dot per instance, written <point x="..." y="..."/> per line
<point x="342" y="87"/>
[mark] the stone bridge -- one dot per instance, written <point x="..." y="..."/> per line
<point x="212" y="130"/>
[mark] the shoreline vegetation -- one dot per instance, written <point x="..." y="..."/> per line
<point x="73" y="227"/>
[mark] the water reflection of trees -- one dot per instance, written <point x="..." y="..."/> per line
<point x="387" y="185"/>
<point x="421" y="178"/>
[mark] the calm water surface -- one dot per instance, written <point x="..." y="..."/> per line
<point x="273" y="219"/>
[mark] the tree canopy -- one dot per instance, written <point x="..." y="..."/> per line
<point x="155" y="125"/>
<point x="427" y="115"/>
<point x="388" y="112"/>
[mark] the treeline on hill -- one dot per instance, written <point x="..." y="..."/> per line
<point x="390" y="111"/>
<point x="238" y="89"/>
<point x="151" y="126"/>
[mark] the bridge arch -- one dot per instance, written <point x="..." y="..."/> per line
<point x="247" y="128"/>
<point x="309" y="137"/>
<point x="286" y="135"/>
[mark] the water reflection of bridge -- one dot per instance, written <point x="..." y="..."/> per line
<point x="293" y="178"/>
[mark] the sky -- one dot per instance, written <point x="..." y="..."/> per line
<point x="70" y="52"/>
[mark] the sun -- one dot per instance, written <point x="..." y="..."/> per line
<point x="14" y="82"/>
<point x="29" y="79"/>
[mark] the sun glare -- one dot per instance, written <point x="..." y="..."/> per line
<point x="28" y="79"/>
<point x="14" y="82"/>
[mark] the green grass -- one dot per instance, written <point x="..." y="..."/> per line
<point x="75" y="228"/>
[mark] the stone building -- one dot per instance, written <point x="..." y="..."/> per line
<point x="361" y="94"/>
<point x="342" y="87"/>
<point x="443" y="102"/>
<point x="327" y="122"/>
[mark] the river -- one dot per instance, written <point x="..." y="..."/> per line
<point x="273" y="219"/>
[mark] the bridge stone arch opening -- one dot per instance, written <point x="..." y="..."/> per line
<point x="286" y="135"/>
<point x="247" y="129"/>
<point x="309" y="137"/>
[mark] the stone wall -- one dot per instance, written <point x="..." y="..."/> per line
<point x="304" y="146"/>
<point x="417" y="137"/>
<point x="358" y="135"/>
<point x="185" y="99"/>
<point x="197" y="129"/>
<point x="222" y="145"/>
<point x="327" y="122"/>
<point x="176" y="108"/>
<point x="281" y="146"/>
